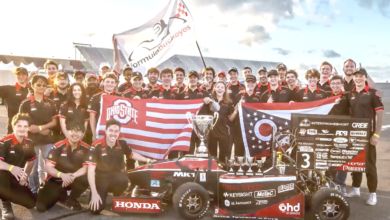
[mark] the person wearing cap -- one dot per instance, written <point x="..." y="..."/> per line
<point x="222" y="77"/>
<point x="79" y="76"/>
<point x="136" y="91"/>
<point x="165" y="90"/>
<point x="179" y="75"/>
<point x="326" y="71"/>
<point x="110" y="81"/>
<point x="152" y="75"/>
<point x="365" y="103"/>
<point x="276" y="93"/>
<point x="246" y="71"/>
<point x="208" y="82"/>
<point x="103" y="69"/>
<point x="349" y="68"/>
<point x="262" y="86"/>
<point x="311" y="92"/>
<point x="127" y="75"/>
<point x="14" y="95"/>
<point x="234" y="86"/>
<point x="91" y="85"/>
<point x="282" y="70"/>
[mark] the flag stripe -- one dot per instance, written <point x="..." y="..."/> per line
<point x="178" y="106"/>
<point x="149" y="141"/>
<point x="169" y="121"/>
<point x="164" y="125"/>
<point x="169" y="111"/>
<point x="165" y="115"/>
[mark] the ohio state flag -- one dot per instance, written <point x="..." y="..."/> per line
<point x="166" y="34"/>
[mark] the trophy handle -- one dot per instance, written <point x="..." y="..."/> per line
<point x="189" y="117"/>
<point x="216" y="115"/>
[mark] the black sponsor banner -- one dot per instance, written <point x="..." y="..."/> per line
<point x="338" y="142"/>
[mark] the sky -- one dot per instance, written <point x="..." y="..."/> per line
<point x="299" y="33"/>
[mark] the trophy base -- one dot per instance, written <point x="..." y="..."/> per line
<point x="259" y="174"/>
<point x="248" y="174"/>
<point x="239" y="174"/>
<point x="230" y="174"/>
<point x="201" y="155"/>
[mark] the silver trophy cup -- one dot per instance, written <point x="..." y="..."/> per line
<point x="202" y="125"/>
<point x="240" y="161"/>
<point x="249" y="161"/>
<point x="230" y="165"/>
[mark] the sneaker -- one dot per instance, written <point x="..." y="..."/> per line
<point x="372" y="199"/>
<point x="73" y="204"/>
<point x="355" y="192"/>
<point x="343" y="190"/>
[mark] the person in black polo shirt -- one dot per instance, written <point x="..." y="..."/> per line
<point x="127" y="75"/>
<point x="326" y="72"/>
<point x="342" y="108"/>
<point x="220" y="132"/>
<point x="246" y="71"/>
<point x="105" y="165"/>
<point x="16" y="161"/>
<point x="349" y="68"/>
<point x="75" y="107"/>
<point x="276" y="93"/>
<point x="79" y="77"/>
<point x="67" y="169"/>
<point x="14" y="95"/>
<point x="311" y="92"/>
<point x="91" y="85"/>
<point x="365" y="103"/>
<point x="208" y="81"/>
<point x="179" y="74"/>
<point x="136" y="91"/>
<point x="110" y="80"/>
<point x="165" y="91"/>
<point x="262" y="86"/>
<point x="282" y="70"/>
<point x="43" y="114"/>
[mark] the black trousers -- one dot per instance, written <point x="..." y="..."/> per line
<point x="115" y="182"/>
<point x="51" y="193"/>
<point x="12" y="191"/>
<point x="225" y="148"/>
<point x="371" y="173"/>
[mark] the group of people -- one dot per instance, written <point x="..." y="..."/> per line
<point x="52" y="143"/>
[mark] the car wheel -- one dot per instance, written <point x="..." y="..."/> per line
<point x="330" y="204"/>
<point x="191" y="201"/>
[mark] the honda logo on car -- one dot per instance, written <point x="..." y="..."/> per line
<point x="137" y="205"/>
<point x="183" y="174"/>
<point x="265" y="193"/>
<point x="359" y="125"/>
<point x="358" y="133"/>
<point x="312" y="131"/>
<point x="335" y="151"/>
<point x="286" y="187"/>
<point x="290" y="209"/>
<point x="340" y="140"/>
<point x="341" y="133"/>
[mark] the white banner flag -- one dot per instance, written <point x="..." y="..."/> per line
<point x="168" y="33"/>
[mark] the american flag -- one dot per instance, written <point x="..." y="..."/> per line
<point x="259" y="120"/>
<point x="151" y="127"/>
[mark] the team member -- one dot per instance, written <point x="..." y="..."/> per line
<point x="336" y="84"/>
<point x="311" y="92"/>
<point x="246" y="71"/>
<point x="105" y="165"/>
<point x="292" y="80"/>
<point x="79" y="77"/>
<point x="282" y="70"/>
<point x="209" y="75"/>
<point x="179" y="75"/>
<point x="276" y="93"/>
<point x="136" y="91"/>
<point x="364" y="103"/>
<point x="222" y="77"/>
<point x="103" y="69"/>
<point x="16" y="152"/>
<point x="67" y="169"/>
<point x="326" y="71"/>
<point x="263" y="85"/>
<point x="91" y="85"/>
<point x="127" y="75"/>
<point x="220" y="131"/>
<point x="14" y="95"/>
<point x="75" y="107"/>
<point x="51" y="69"/>
<point x="43" y="114"/>
<point x="59" y="95"/>
<point x="152" y="75"/>
<point x="110" y="80"/>
<point x="165" y="90"/>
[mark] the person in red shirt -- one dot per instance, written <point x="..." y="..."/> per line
<point x="179" y="75"/>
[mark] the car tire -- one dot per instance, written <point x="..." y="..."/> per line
<point x="191" y="201"/>
<point x="328" y="204"/>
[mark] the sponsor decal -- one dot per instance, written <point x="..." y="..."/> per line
<point x="323" y="145"/>
<point x="323" y="139"/>
<point x="305" y="123"/>
<point x="227" y="203"/>
<point x="122" y="111"/>
<point x="357" y="148"/>
<point x="338" y="157"/>
<point x="202" y="177"/>
<point x="358" y="145"/>
<point x="312" y="131"/>
<point x="265" y="193"/>
<point x="341" y="145"/>
<point x="320" y="164"/>
<point x="335" y="151"/>
<point x="325" y="131"/>
<point x="322" y="150"/>
<point x="137" y="205"/>
<point x="359" y="125"/>
<point x="340" y="140"/>
<point x="359" y="164"/>
<point x="183" y="174"/>
<point x="261" y="202"/>
<point x="157" y="175"/>
<point x="349" y="152"/>
<point x="358" y="133"/>
<point x="305" y="148"/>
<point x="155" y="183"/>
<point x="286" y="187"/>
<point x="355" y="166"/>
<point x="290" y="209"/>
<point x="242" y="187"/>
<point x="329" y="123"/>
<point x="302" y="131"/>
<point x="241" y="203"/>
<point x="336" y="164"/>
<point x="305" y="143"/>
<point x="355" y="140"/>
<point x="239" y="194"/>
<point x="341" y="133"/>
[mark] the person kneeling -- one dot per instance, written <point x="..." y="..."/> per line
<point x="66" y="170"/>
<point x="16" y="152"/>
<point x="106" y="157"/>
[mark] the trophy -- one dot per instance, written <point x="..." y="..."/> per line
<point x="202" y="124"/>
<point x="249" y="161"/>
<point x="258" y="164"/>
<point x="236" y="166"/>
<point x="230" y="164"/>
<point x="240" y="161"/>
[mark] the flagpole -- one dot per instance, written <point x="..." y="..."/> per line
<point x="201" y="54"/>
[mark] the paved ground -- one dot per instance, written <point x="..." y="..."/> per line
<point x="359" y="211"/>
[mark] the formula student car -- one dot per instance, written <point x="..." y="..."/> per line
<point x="238" y="188"/>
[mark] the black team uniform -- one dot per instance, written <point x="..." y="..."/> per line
<point x="343" y="107"/>
<point x="15" y="153"/>
<point x="305" y="95"/>
<point x="69" y="111"/>
<point x="326" y="86"/>
<point x="13" y="96"/>
<point x="124" y="86"/>
<point x="65" y="161"/>
<point x="89" y="93"/>
<point x="109" y="164"/>
<point x="260" y="89"/>
<point x="234" y="90"/>
<point x="280" y="95"/>
<point x="58" y="99"/>
<point x="181" y="89"/>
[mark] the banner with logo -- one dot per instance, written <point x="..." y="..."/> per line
<point x="151" y="127"/>
<point x="167" y="34"/>
<point x="339" y="142"/>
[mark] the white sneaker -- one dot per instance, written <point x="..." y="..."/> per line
<point x="343" y="190"/>
<point x="372" y="200"/>
<point x="355" y="192"/>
